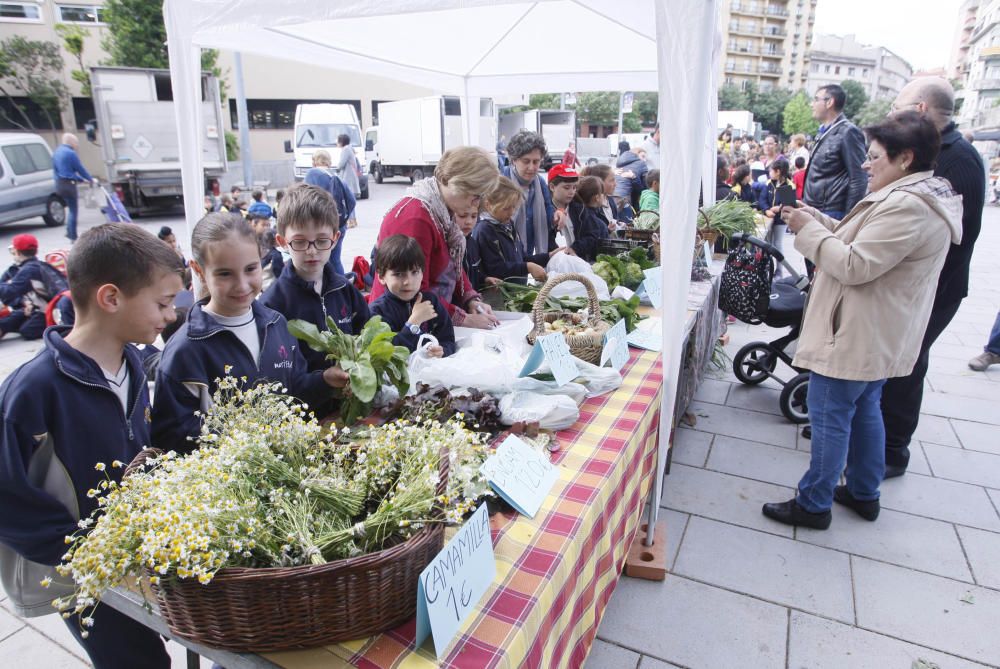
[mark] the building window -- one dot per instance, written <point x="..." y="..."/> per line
<point x="12" y="119"/>
<point x="864" y="72"/>
<point x="836" y="70"/>
<point x="83" y="111"/>
<point x="81" y="13"/>
<point x="814" y="67"/>
<point x="850" y="71"/>
<point x="827" y="70"/>
<point x="278" y="114"/>
<point x="26" y="12"/>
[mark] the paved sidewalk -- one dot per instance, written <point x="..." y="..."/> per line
<point x="922" y="582"/>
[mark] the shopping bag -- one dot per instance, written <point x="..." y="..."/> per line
<point x="551" y="412"/>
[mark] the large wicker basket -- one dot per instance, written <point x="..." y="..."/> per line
<point x="272" y="609"/>
<point x="585" y="347"/>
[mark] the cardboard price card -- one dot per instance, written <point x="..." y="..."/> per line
<point x="615" y="346"/>
<point x="653" y="286"/>
<point x="554" y="351"/>
<point x="451" y="586"/>
<point x="521" y="475"/>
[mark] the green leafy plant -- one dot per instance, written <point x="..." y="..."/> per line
<point x="727" y="218"/>
<point x="370" y="359"/>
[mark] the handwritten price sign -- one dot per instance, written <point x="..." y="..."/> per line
<point x="521" y="475"/>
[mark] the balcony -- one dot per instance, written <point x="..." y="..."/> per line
<point x="773" y="53"/>
<point x="987" y="84"/>
<point x="743" y="29"/>
<point x="773" y="31"/>
<point x="989" y="53"/>
<point x="769" y="72"/>
<point x="773" y="10"/>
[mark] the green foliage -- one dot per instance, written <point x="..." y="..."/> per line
<point x="597" y="108"/>
<point x="768" y="108"/>
<point x="798" y="116"/>
<point x="73" y="36"/>
<point x="33" y="67"/>
<point x="873" y="112"/>
<point x="232" y="146"/>
<point x="732" y="98"/>
<point x="856" y="98"/>
<point x="544" y="101"/>
<point x="136" y="35"/>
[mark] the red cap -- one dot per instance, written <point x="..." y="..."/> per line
<point x="25" y="242"/>
<point x="563" y="171"/>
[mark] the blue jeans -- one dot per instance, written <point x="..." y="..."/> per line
<point x="67" y="191"/>
<point x="846" y="429"/>
<point x="993" y="346"/>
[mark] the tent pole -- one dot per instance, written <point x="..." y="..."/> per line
<point x="243" y="118"/>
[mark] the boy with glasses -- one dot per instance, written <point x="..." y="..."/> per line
<point x="308" y="287"/>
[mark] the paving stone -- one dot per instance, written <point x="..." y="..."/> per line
<point x="918" y="460"/>
<point x="28" y="648"/>
<point x="817" y="643"/>
<point x="971" y="384"/>
<point x="994" y="496"/>
<point x="605" y="655"/>
<point x="975" y="409"/>
<point x="978" y="436"/>
<point x="928" y="610"/>
<point x="780" y="570"/>
<point x="652" y="663"/>
<point x="713" y="391"/>
<point x="9" y="623"/>
<point x="744" y="424"/>
<point x="676" y="525"/>
<point x="691" y="447"/>
<point x="983" y="548"/>
<point x="763" y="462"/>
<point x="754" y="398"/>
<point x="955" y="351"/>
<point x="962" y="465"/>
<point x="936" y="430"/>
<point x="950" y="501"/>
<point x="695" y="625"/>
<point x="54" y="629"/>
<point x="899" y="538"/>
<point x="724" y="497"/>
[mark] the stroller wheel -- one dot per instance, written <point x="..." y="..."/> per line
<point x="793" y="399"/>
<point x="754" y="362"/>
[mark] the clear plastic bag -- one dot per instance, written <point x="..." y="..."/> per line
<point x="551" y="412"/>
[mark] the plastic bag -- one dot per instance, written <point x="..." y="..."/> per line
<point x="597" y="380"/>
<point x="552" y="412"/>
<point x="90" y="197"/>
<point x="485" y="363"/>
<point x="562" y="263"/>
<point x="577" y="392"/>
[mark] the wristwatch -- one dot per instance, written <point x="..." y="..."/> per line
<point x="415" y="329"/>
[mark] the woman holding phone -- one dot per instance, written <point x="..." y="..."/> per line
<point x="780" y="191"/>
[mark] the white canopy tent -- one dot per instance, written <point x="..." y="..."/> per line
<point x="478" y="48"/>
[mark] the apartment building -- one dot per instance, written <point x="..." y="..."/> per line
<point x="766" y="42"/>
<point x="834" y="58"/>
<point x="958" y="60"/>
<point x="981" y="86"/>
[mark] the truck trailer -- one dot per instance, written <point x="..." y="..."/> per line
<point x="556" y="126"/>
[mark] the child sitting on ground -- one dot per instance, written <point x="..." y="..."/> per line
<point x="81" y="401"/>
<point x="500" y="248"/>
<point x="230" y="333"/>
<point x="399" y="266"/>
<point x="592" y="224"/>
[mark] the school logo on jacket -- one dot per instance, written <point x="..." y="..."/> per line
<point x="285" y="363"/>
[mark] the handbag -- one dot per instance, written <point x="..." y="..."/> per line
<point x="745" y="287"/>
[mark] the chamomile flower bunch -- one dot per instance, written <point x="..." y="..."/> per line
<point x="269" y="486"/>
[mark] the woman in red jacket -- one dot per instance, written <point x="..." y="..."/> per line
<point x="462" y="177"/>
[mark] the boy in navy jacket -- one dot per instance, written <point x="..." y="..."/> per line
<point x="26" y="288"/>
<point x="81" y="401"/>
<point x="309" y="288"/>
<point x="411" y="313"/>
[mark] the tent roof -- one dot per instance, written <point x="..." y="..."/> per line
<point x="476" y="47"/>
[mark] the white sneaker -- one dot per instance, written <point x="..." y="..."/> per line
<point x="982" y="361"/>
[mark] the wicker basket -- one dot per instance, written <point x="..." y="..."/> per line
<point x="709" y="235"/>
<point x="644" y="236"/>
<point x="282" y="608"/>
<point x="585" y="347"/>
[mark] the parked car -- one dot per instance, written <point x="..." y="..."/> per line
<point x="27" y="188"/>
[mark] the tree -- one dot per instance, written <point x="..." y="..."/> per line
<point x="33" y="67"/>
<point x="769" y="107"/>
<point x="73" y="36"/>
<point x="597" y="108"/>
<point x="732" y="98"/>
<point x="136" y="34"/>
<point x="798" y="116"/>
<point x="873" y="112"/>
<point x="544" y="101"/>
<point x="646" y="107"/>
<point x="856" y="98"/>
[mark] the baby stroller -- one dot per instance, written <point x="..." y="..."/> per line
<point x="114" y="211"/>
<point x="749" y="292"/>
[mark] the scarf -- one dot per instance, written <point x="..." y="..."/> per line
<point x="429" y="193"/>
<point x="540" y="224"/>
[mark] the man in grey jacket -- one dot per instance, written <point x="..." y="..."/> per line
<point x="834" y="180"/>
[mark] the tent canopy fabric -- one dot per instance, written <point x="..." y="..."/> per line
<point x="480" y="48"/>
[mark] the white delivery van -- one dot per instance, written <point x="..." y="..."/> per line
<point x="27" y="187"/>
<point x="412" y="134"/>
<point x="317" y="126"/>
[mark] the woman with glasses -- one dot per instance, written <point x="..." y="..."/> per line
<point x="867" y="312"/>
<point x="427" y="213"/>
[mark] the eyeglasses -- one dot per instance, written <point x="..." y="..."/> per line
<point x="321" y="244"/>
<point x="820" y="98"/>
<point x="872" y="158"/>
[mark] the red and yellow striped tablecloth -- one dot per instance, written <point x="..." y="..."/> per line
<point x="555" y="572"/>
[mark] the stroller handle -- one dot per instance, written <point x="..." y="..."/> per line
<point x="742" y="238"/>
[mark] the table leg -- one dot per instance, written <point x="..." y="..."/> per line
<point x="193" y="660"/>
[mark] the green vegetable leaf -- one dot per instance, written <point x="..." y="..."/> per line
<point x="364" y="380"/>
<point x="308" y="333"/>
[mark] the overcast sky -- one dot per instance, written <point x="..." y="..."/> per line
<point x="920" y="32"/>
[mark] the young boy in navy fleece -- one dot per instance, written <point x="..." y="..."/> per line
<point x="399" y="264"/>
<point x="308" y="287"/>
<point x="83" y="400"/>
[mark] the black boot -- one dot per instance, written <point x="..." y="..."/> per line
<point x="867" y="510"/>
<point x="790" y="513"/>
<point x="892" y="471"/>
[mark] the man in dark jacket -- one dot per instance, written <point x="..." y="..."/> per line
<point x="961" y="165"/>
<point x="630" y="174"/>
<point x="834" y="180"/>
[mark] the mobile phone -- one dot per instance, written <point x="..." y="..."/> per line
<point x="785" y="195"/>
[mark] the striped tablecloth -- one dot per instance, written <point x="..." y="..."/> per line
<point x="556" y="572"/>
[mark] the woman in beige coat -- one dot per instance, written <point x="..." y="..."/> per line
<point x="867" y="311"/>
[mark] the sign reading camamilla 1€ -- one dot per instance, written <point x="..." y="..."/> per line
<point x="455" y="580"/>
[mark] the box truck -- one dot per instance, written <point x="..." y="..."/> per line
<point x="557" y="126"/>
<point x="317" y="126"/>
<point x="136" y="128"/>
<point x="412" y="134"/>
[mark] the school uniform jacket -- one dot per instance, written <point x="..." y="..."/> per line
<point x="500" y="251"/>
<point x="198" y="354"/>
<point x="395" y="312"/>
<point x="294" y="297"/>
<point x="59" y="419"/>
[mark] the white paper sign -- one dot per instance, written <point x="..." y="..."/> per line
<point x="648" y="334"/>
<point x="708" y="255"/>
<point x="615" y="346"/>
<point x="553" y="350"/>
<point x="653" y="286"/>
<point x="521" y="475"/>
<point x="455" y="580"/>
